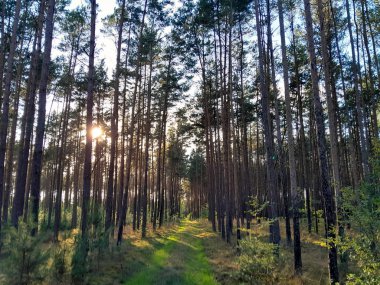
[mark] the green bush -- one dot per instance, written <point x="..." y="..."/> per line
<point x="79" y="266"/>
<point x="257" y="262"/>
<point x="59" y="267"/>
<point x="361" y="210"/>
<point x="27" y="259"/>
<point x="99" y="243"/>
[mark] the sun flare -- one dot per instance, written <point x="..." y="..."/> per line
<point x="96" y="132"/>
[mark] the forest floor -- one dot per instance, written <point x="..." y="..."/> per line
<point x="174" y="254"/>
<point x="179" y="259"/>
<point x="187" y="252"/>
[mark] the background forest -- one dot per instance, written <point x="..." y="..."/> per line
<point x="260" y="116"/>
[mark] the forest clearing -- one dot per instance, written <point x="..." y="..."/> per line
<point x="189" y="142"/>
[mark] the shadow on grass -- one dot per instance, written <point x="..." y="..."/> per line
<point x="133" y="256"/>
<point x="172" y="256"/>
<point x="224" y="257"/>
<point x="181" y="260"/>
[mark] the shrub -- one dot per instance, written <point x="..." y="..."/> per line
<point x="361" y="209"/>
<point x="27" y="260"/>
<point x="257" y="262"/>
<point x="99" y="243"/>
<point x="59" y="266"/>
<point x="79" y="260"/>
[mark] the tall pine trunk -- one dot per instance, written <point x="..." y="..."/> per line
<point x="40" y="130"/>
<point x="296" y="199"/>
<point x="274" y="227"/>
<point x="5" y="108"/>
<point x="114" y="124"/>
<point x="327" y="193"/>
<point x="88" y="147"/>
<point x="131" y="135"/>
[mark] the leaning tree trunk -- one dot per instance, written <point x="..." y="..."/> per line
<point x="353" y="160"/>
<point x="373" y="99"/>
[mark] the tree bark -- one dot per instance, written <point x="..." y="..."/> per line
<point x="328" y="195"/>
<point x="296" y="199"/>
<point x="5" y="106"/>
<point x="131" y="135"/>
<point x="88" y="147"/>
<point x="274" y="227"/>
<point x="114" y="123"/>
<point x="330" y="107"/>
<point x="363" y="146"/>
<point x="147" y="136"/>
<point x="40" y="130"/>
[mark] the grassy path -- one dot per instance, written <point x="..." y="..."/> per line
<point x="180" y="260"/>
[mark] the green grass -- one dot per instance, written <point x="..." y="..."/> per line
<point x="180" y="260"/>
<point x="187" y="253"/>
<point x="197" y="267"/>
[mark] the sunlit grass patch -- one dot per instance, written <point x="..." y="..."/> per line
<point x="142" y="243"/>
<point x="205" y="235"/>
<point x="180" y="259"/>
<point x="321" y="243"/>
<point x="223" y="257"/>
<point x="220" y="255"/>
<point x="154" y="263"/>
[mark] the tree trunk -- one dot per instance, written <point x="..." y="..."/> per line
<point x="5" y="110"/>
<point x="131" y="135"/>
<point x="88" y="147"/>
<point x="114" y="123"/>
<point x="40" y="130"/>
<point x="358" y="99"/>
<point x="10" y="154"/>
<point x="28" y="117"/>
<point x="147" y="136"/>
<point x="296" y="199"/>
<point x="274" y="227"/>
<point x="328" y="195"/>
<point x="2" y="51"/>
<point x="330" y="107"/>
